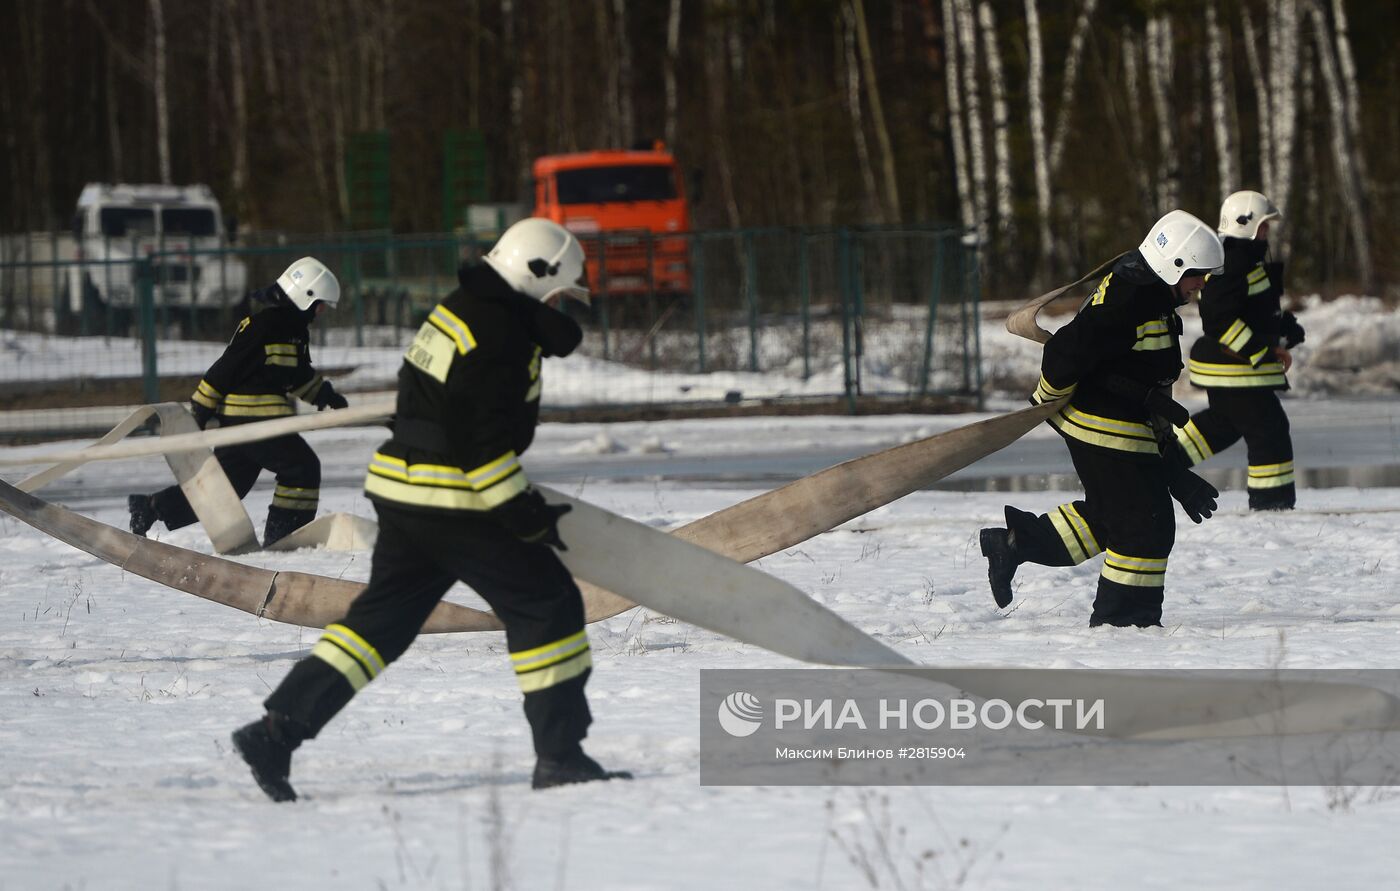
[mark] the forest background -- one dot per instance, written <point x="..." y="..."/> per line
<point x="1052" y="132"/>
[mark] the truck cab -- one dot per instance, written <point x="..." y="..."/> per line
<point x="622" y="205"/>
<point x="114" y="225"/>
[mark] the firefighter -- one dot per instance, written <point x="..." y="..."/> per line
<point x="265" y="366"/>
<point x="1116" y="361"/>
<point x="1241" y="360"/>
<point x="454" y="504"/>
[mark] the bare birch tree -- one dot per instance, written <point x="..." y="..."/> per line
<point x="1132" y="65"/>
<point x="623" y="46"/>
<point x="238" y="137"/>
<point x="1160" y="63"/>
<point x="1040" y="158"/>
<point x="158" y="85"/>
<point x="967" y="42"/>
<point x="1227" y="164"/>
<point x="1347" y="70"/>
<point x="673" y="61"/>
<point x="853" y="107"/>
<point x="1343" y="148"/>
<point x="1001" y="144"/>
<point x="1262" y="100"/>
<point x="967" y="208"/>
<point x="877" y="115"/>
<point x="1066" y="107"/>
<point x="1283" y="62"/>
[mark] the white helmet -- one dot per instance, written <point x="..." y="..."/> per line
<point x="308" y="280"/>
<point x="1243" y="212"/>
<point x="540" y="258"/>
<point x="1180" y="244"/>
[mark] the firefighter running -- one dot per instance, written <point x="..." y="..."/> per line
<point x="1116" y="361"/>
<point x="265" y="366"/>
<point x="454" y="505"/>
<point x="1240" y="362"/>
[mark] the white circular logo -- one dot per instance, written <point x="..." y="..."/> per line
<point x="740" y="714"/>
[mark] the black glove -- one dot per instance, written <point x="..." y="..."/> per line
<point x="202" y="414"/>
<point x="1290" y="329"/>
<point x="1197" y="496"/>
<point x="327" y="397"/>
<point x="530" y="519"/>
<point x="1159" y="402"/>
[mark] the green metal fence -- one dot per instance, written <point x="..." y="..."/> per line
<point x="838" y="317"/>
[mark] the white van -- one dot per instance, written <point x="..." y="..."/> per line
<point x="115" y="223"/>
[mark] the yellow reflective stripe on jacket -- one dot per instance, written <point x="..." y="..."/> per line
<point x="1102" y="291"/>
<point x="1045" y="392"/>
<point x="1143" y="572"/>
<point x="1215" y="374"/>
<point x="349" y="654"/>
<point x="206" y="395"/>
<point x="543" y="667"/>
<point x="295" y="498"/>
<point x="1075" y="533"/>
<point x="535" y="378"/>
<point x="448" y="323"/>
<point x="256" y="405"/>
<point x="1270" y="476"/>
<point x="1194" y="442"/>
<point x="1154" y="335"/>
<point x="307" y="391"/>
<point x="445" y="486"/>
<point x="281" y="354"/>
<point x="1258" y="279"/>
<point x="1236" y="336"/>
<point x="1111" y="433"/>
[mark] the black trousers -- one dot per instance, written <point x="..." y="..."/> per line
<point x="1126" y="514"/>
<point x="1257" y="415"/>
<point x="291" y="458"/>
<point x="417" y="558"/>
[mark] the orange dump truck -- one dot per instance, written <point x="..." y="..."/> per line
<point x="622" y="205"/>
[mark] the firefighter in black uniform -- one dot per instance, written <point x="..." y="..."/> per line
<point x="1240" y="362"/>
<point x="265" y="366"/>
<point x="1116" y="361"/>
<point x="454" y="504"/>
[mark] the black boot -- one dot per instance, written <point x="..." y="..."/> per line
<point x="143" y="513"/>
<point x="282" y="521"/>
<point x="999" y="547"/>
<point x="266" y="746"/>
<point x="575" y="767"/>
<point x="1277" y="498"/>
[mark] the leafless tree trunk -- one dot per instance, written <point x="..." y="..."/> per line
<point x="611" y="130"/>
<point x="877" y="115"/>
<point x="212" y="79"/>
<point x="1066" y="106"/>
<point x="335" y="98"/>
<point x="967" y="209"/>
<point x="269" y="58"/>
<point x="1040" y="159"/>
<point x="1001" y="146"/>
<point x="518" y="153"/>
<point x="867" y="168"/>
<point x="1226" y="163"/>
<point x="967" y="41"/>
<point x="1263" y="101"/>
<point x="1347" y="69"/>
<point x="673" y="59"/>
<point x="114" y="131"/>
<point x="1283" y="60"/>
<point x="1132" y="63"/>
<point x="626" y="129"/>
<point x="159" y="85"/>
<point x="716" y="89"/>
<point x="1343" y="147"/>
<point x="239" y="135"/>
<point x="1160" y="63"/>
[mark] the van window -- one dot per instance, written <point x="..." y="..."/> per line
<point x="119" y="222"/>
<point x="192" y="221"/>
<point x="601" y="185"/>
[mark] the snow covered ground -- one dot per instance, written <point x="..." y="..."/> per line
<point x="118" y="696"/>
